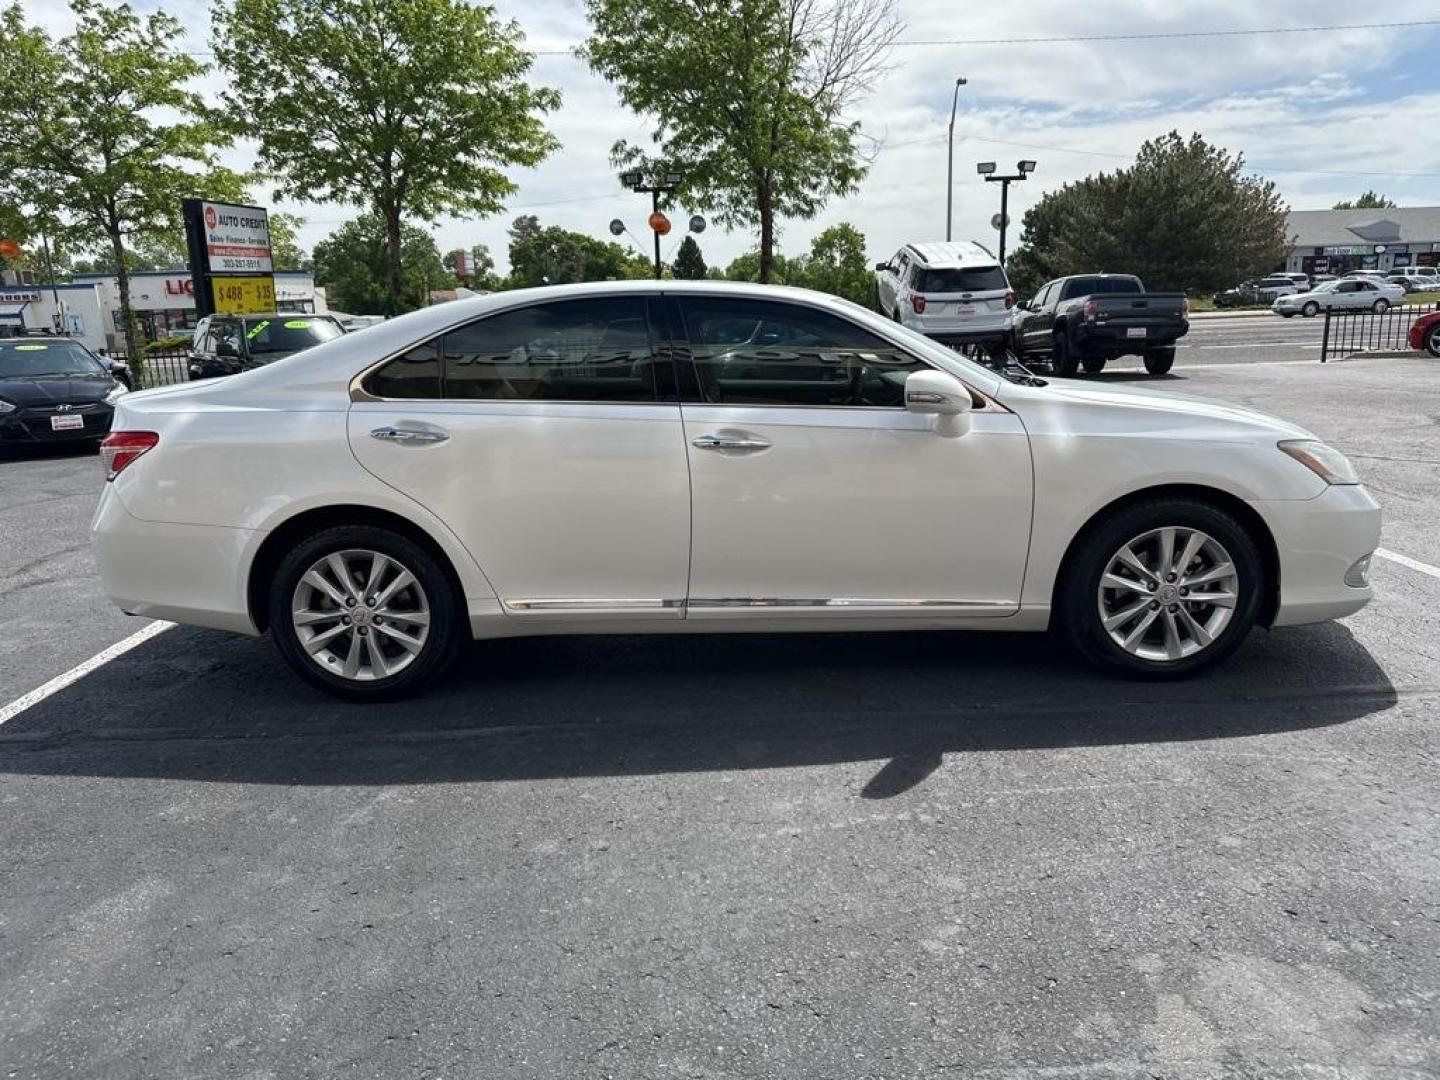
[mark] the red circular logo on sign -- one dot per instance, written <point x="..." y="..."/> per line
<point x="211" y="218"/>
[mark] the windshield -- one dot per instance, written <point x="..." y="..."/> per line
<point x="288" y="333"/>
<point x="972" y="279"/>
<point x="32" y="359"/>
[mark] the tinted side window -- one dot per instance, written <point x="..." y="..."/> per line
<point x="414" y="375"/>
<point x="971" y="279"/>
<point x="758" y="352"/>
<point x="571" y="350"/>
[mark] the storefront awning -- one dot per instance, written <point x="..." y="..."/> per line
<point x="13" y="313"/>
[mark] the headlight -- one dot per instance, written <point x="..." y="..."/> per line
<point x="1324" y="461"/>
<point x="6" y="407"/>
<point x="114" y="395"/>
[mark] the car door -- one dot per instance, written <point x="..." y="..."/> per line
<point x="815" y="493"/>
<point x="1032" y="325"/>
<point x="547" y="436"/>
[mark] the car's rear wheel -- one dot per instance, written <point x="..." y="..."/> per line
<point x="1162" y="589"/>
<point x="1160" y="361"/>
<point x="1380" y="306"/>
<point x="1093" y="365"/>
<point x="364" y="612"/>
<point x="1063" y="360"/>
<point x="1310" y="310"/>
<point x="1432" y="340"/>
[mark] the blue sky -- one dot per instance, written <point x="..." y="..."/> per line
<point x="1325" y="115"/>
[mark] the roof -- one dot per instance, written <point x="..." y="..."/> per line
<point x="952" y="254"/>
<point x="1393" y="225"/>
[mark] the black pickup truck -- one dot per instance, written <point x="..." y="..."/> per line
<point x="1088" y="319"/>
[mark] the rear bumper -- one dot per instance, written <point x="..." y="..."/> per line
<point x="184" y="573"/>
<point x="991" y="326"/>
<point x="1115" y="338"/>
<point x="1319" y="540"/>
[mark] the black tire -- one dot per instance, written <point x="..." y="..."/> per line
<point x="1063" y="360"/>
<point x="1287" y="314"/>
<point x="446" y="611"/>
<point x="1432" y="340"/>
<point x="1310" y="310"/>
<point x="1160" y="361"/>
<point x="1093" y="365"/>
<point x="1380" y="306"/>
<point x="1078" y="614"/>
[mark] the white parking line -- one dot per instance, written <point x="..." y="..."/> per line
<point x="1405" y="560"/>
<point x="79" y="671"/>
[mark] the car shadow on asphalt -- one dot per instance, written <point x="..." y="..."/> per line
<point x="197" y="705"/>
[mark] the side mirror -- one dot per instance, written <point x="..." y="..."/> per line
<point x="880" y="268"/>
<point x="1023" y="305"/>
<point x="937" y="394"/>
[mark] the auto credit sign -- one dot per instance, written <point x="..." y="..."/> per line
<point x="237" y="238"/>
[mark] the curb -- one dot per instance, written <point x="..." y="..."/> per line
<point x="1247" y="314"/>
<point x="1380" y="354"/>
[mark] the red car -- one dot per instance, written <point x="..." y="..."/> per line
<point x="1425" y="334"/>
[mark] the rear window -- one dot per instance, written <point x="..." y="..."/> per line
<point x="971" y="279"/>
<point x="1098" y="286"/>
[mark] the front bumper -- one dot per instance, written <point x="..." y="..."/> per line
<point x="32" y="425"/>
<point x="1319" y="540"/>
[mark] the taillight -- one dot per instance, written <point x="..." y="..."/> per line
<point x="1185" y="306"/>
<point x="1009" y="300"/>
<point x="1092" y="308"/>
<point x="918" y="303"/>
<point x="120" y="448"/>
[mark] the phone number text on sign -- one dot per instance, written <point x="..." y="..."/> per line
<point x="244" y="295"/>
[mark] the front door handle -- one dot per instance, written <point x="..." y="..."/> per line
<point x="408" y="435"/>
<point x="729" y="442"/>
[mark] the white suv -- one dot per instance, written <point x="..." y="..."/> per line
<point x="955" y="292"/>
<point x="1417" y="278"/>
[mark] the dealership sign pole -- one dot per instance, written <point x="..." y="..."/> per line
<point x="230" y="263"/>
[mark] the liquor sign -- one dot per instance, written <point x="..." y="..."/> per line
<point x="230" y="260"/>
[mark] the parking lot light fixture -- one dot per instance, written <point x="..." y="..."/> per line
<point x="668" y="182"/>
<point x="985" y="168"/>
<point x="950" y="161"/>
<point x="1026" y="166"/>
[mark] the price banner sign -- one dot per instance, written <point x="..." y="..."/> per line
<point x="243" y="295"/>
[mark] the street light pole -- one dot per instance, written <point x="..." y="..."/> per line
<point x="950" y="167"/>
<point x="987" y="170"/>
<point x="635" y="181"/>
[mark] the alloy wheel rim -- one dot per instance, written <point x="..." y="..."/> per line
<point x="360" y="614"/>
<point x="1168" y="593"/>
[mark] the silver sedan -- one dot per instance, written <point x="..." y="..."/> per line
<point x="1347" y="294"/>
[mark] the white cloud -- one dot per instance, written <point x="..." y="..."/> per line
<point x="1303" y="106"/>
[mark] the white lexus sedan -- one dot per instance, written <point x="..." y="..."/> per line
<point x="673" y="457"/>
<point x="1344" y="294"/>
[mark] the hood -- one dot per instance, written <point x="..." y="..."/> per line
<point x="59" y="390"/>
<point x="1165" y="408"/>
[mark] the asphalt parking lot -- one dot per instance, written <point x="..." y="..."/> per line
<point x="831" y="856"/>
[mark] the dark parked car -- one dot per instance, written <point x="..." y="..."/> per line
<point x="226" y="344"/>
<point x="1089" y="319"/>
<point x="54" y="390"/>
<point x="1257" y="293"/>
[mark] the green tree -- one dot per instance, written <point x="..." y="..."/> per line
<point x="285" y="250"/>
<point x="747" y="268"/>
<point x="352" y="264"/>
<point x="1371" y="200"/>
<point x="1186" y="216"/>
<point x="482" y="276"/>
<point x="410" y="109"/>
<point x="689" y="263"/>
<point x="100" y="130"/>
<point x="837" y="264"/>
<point x="748" y="98"/>
<point x="551" y="255"/>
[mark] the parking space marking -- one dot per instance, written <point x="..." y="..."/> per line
<point x="1405" y="560"/>
<point x="79" y="671"/>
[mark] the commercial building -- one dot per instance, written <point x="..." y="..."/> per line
<point x="74" y="310"/>
<point x="164" y="300"/>
<point x="1337" y="241"/>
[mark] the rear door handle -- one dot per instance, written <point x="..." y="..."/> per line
<point x="408" y="435"/>
<point x="729" y="442"/>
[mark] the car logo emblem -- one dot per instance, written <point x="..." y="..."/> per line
<point x="62" y="408"/>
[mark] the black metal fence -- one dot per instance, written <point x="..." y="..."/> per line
<point x="166" y="366"/>
<point x="1350" y="332"/>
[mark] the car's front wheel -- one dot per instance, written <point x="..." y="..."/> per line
<point x="1162" y="589"/>
<point x="1063" y="360"/>
<point x="1432" y="340"/>
<point x="1310" y="310"/>
<point x="1093" y="365"/>
<point x="364" y="612"/>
